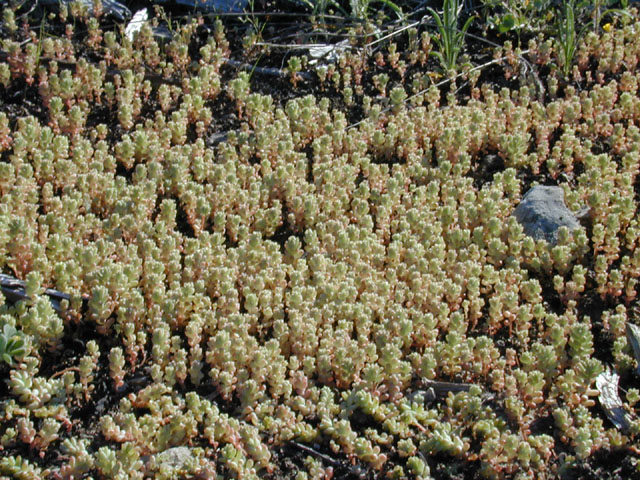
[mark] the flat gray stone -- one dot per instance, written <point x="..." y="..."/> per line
<point x="176" y="458"/>
<point x="543" y="211"/>
<point x="607" y="385"/>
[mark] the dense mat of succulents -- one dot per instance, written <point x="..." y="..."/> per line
<point x="273" y="279"/>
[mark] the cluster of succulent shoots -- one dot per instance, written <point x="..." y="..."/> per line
<point x="304" y="277"/>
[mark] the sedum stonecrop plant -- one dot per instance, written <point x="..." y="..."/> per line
<point x="360" y="293"/>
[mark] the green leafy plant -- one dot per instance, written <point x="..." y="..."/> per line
<point x="12" y="344"/>
<point x="450" y="38"/>
<point x="572" y="14"/>
<point x="534" y="15"/>
<point x="567" y="37"/>
<point x="598" y="9"/>
<point x="320" y="7"/>
<point x="516" y="15"/>
<point x="360" y="8"/>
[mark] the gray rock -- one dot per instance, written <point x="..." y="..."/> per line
<point x="543" y="211"/>
<point x="607" y="385"/>
<point x="176" y="458"/>
<point x="161" y="33"/>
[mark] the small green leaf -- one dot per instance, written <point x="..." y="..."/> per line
<point x="12" y="344"/>
<point x="507" y="24"/>
<point x="16" y="347"/>
<point x="8" y="330"/>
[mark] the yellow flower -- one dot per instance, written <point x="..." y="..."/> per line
<point x="607" y="27"/>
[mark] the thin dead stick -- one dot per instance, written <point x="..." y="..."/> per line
<point x="442" y="389"/>
<point x="14" y="290"/>
<point x="62" y="372"/>
<point x="302" y="46"/>
<point x="520" y="57"/>
<point x="397" y="32"/>
<point x="440" y="84"/>
<point x="331" y="461"/>
<point x="461" y="74"/>
<point x="275" y="72"/>
<point x="354" y="470"/>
